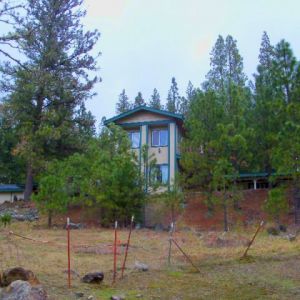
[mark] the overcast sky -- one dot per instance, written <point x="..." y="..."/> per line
<point x="146" y="42"/>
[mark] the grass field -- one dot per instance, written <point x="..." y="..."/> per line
<point x="271" y="272"/>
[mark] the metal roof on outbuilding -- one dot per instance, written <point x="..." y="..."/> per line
<point x="11" y="188"/>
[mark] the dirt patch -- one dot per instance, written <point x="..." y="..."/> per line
<point x="222" y="240"/>
<point x="98" y="249"/>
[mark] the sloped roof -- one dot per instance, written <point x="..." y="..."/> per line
<point x="10" y="188"/>
<point x="144" y="108"/>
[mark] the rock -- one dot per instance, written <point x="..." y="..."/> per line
<point x="141" y="267"/>
<point x="186" y="229"/>
<point x="282" y="228"/>
<point x="138" y="226"/>
<point x="20" y="213"/>
<point x="121" y="297"/>
<point x="291" y="237"/>
<point x="18" y="273"/>
<point x="95" y="277"/>
<point x="79" y="294"/>
<point x="90" y="297"/>
<point x="23" y="290"/>
<point x="139" y="296"/>
<point x="273" y="231"/>
<point x="74" y="226"/>
<point x="158" y="227"/>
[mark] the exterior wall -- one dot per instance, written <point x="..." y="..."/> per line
<point x="172" y="152"/>
<point x="143" y="117"/>
<point x="146" y="122"/>
<point x="10" y="197"/>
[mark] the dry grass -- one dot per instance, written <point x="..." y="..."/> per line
<point x="273" y="271"/>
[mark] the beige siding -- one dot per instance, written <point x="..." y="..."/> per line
<point x="10" y="196"/>
<point x="162" y="157"/>
<point x="143" y="117"/>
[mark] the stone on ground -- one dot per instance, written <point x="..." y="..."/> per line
<point x="23" y="290"/>
<point x="141" y="266"/>
<point x="95" y="277"/>
<point x="18" y="273"/>
<point x="120" y="297"/>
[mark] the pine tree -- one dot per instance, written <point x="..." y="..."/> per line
<point x="173" y="99"/>
<point x="190" y="91"/>
<point x="155" y="100"/>
<point x="139" y="101"/>
<point x="226" y="73"/>
<point x="123" y="104"/>
<point x="185" y="101"/>
<point x="285" y="69"/>
<point x="234" y="72"/>
<point x="266" y="105"/>
<point x="216" y="77"/>
<point x="9" y="15"/>
<point x="52" y="83"/>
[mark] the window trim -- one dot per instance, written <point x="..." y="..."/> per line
<point x="159" y="146"/>
<point x="130" y="133"/>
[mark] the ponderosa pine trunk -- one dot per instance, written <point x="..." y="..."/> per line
<point x="225" y="214"/>
<point x="29" y="183"/>
<point x="49" y="218"/>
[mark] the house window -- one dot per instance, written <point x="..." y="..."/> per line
<point x="160" y="173"/>
<point x="160" y="138"/>
<point x="134" y="138"/>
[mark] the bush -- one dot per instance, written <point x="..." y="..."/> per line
<point x="5" y="219"/>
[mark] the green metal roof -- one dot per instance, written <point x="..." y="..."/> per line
<point x="11" y="188"/>
<point x="144" y="108"/>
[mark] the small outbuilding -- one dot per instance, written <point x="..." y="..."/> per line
<point x="11" y="192"/>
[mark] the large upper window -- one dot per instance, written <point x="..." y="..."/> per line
<point x="134" y="138"/>
<point x="159" y="137"/>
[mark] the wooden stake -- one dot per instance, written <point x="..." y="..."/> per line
<point x="115" y="253"/>
<point x="69" y="258"/>
<point x="127" y="246"/>
<point x="253" y="238"/>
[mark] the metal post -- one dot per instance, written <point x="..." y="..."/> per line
<point x="127" y="246"/>
<point x="69" y="258"/>
<point x="115" y="253"/>
<point x="253" y="238"/>
<point x="186" y="256"/>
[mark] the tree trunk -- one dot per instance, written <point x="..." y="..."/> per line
<point x="296" y="196"/>
<point x="29" y="183"/>
<point x="236" y="202"/>
<point x="225" y="214"/>
<point x="49" y="219"/>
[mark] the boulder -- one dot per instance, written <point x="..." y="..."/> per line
<point x="159" y="227"/>
<point x="282" y="228"/>
<point x="18" y="273"/>
<point x="120" y="297"/>
<point x="141" y="267"/>
<point x="95" y="277"/>
<point x="291" y="237"/>
<point x="273" y="231"/>
<point x="79" y="294"/>
<point x="23" y="290"/>
<point x="74" y="226"/>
